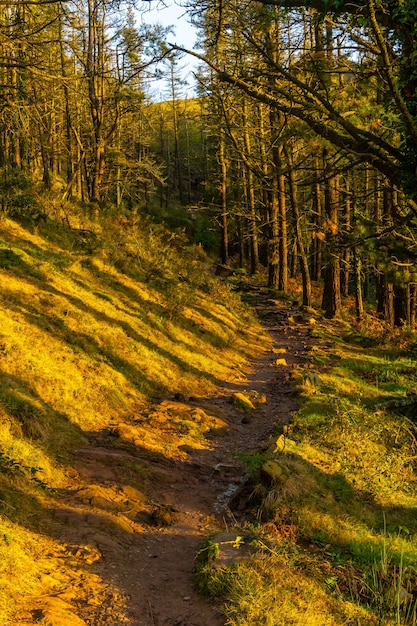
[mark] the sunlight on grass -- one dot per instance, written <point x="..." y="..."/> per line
<point x="20" y="568"/>
<point x="37" y="575"/>
<point x="339" y="519"/>
<point x="94" y="345"/>
<point x="283" y="587"/>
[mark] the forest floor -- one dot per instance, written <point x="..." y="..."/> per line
<point x="145" y="563"/>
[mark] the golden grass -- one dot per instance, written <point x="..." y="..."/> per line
<point x="339" y="523"/>
<point x="281" y="588"/>
<point x="103" y="343"/>
<point x="34" y="574"/>
<point x="85" y="347"/>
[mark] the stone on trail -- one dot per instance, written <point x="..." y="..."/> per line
<point x="273" y="472"/>
<point x="281" y="362"/>
<point x="243" y="401"/>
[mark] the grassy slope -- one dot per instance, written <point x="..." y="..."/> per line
<point x="94" y="326"/>
<point x="338" y="527"/>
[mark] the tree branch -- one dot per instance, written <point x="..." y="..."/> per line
<point x="372" y="149"/>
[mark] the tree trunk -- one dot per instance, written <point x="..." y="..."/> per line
<point x="278" y="256"/>
<point x="331" y="301"/>
<point x="401" y="299"/>
<point x="385" y="299"/>
<point x="305" y="272"/>
<point x="177" y="151"/>
<point x="250" y="187"/>
<point x="317" y="245"/>
<point x="282" y="241"/>
<point x="68" y="123"/>
<point x="357" y="265"/>
<point x="95" y="68"/>
<point x="413" y="305"/>
<point x="224" y="241"/>
<point x="357" y="277"/>
<point x="278" y="205"/>
<point x="347" y="219"/>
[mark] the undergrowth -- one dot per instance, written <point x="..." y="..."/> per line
<point x="337" y="523"/>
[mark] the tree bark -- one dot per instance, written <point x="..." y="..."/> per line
<point x="305" y="272"/>
<point x="250" y="186"/>
<point x="224" y="241"/>
<point x="317" y="245"/>
<point x="331" y="301"/>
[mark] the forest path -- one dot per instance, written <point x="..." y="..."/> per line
<point x="147" y="559"/>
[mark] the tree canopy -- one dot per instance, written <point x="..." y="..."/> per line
<point x="376" y="48"/>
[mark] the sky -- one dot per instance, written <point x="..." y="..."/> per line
<point x="169" y="13"/>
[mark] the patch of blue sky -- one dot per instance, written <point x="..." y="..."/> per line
<point x="171" y="14"/>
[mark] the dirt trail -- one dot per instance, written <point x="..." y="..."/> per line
<point x="151" y="564"/>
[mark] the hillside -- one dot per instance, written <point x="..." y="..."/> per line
<point x="98" y="326"/>
<point x="176" y="455"/>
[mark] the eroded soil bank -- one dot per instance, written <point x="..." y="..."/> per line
<point x="142" y="540"/>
